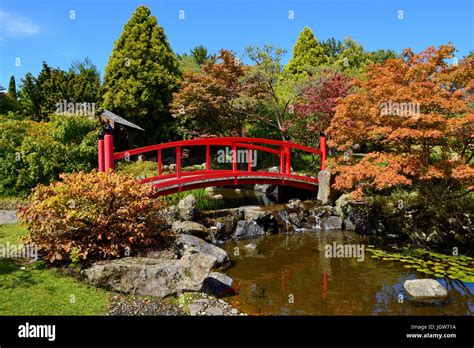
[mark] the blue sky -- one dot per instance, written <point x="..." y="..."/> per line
<point x="41" y="30"/>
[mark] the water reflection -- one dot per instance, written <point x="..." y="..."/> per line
<point x="290" y="275"/>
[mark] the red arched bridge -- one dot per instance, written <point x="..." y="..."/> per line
<point x="182" y="180"/>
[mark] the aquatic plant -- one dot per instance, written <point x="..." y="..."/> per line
<point x="435" y="264"/>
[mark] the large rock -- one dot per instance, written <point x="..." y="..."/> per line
<point x="349" y="225"/>
<point x="187" y="207"/>
<point x="253" y="212"/>
<point x="218" y="284"/>
<point x="186" y="243"/>
<point x="190" y="227"/>
<point x="342" y="201"/>
<point x="331" y="223"/>
<point x="154" y="277"/>
<point x="324" y="186"/>
<point x="169" y="215"/>
<point x="248" y="229"/>
<point x="425" y="289"/>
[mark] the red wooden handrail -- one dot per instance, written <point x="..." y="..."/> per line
<point x="215" y="142"/>
<point x="107" y="158"/>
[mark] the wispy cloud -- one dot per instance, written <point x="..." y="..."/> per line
<point x="12" y="25"/>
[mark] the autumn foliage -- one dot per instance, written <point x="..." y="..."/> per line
<point x="413" y="117"/>
<point x="92" y="216"/>
<point x="205" y="103"/>
<point x="314" y="110"/>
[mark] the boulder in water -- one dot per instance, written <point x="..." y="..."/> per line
<point x="248" y="229"/>
<point x="425" y="289"/>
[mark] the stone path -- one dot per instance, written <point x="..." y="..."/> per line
<point x="8" y="217"/>
<point x="195" y="304"/>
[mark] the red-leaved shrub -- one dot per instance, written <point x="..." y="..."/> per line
<point x="92" y="216"/>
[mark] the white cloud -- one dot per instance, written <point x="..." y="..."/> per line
<point x="12" y="25"/>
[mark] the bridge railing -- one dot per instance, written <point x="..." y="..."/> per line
<point x="107" y="156"/>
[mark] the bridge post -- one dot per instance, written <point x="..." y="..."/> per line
<point x="159" y="160"/>
<point x="288" y="160"/>
<point x="178" y="161"/>
<point x="234" y="161"/>
<point x="249" y="160"/>
<point x="100" y="152"/>
<point x="208" y="157"/>
<point x="322" y="147"/>
<point x="282" y="159"/>
<point x="108" y="152"/>
<point x="234" y="158"/>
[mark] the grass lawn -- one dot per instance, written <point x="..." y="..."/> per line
<point x="32" y="289"/>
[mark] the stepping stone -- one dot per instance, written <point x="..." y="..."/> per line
<point x="425" y="289"/>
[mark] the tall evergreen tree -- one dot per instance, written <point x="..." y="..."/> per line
<point x="307" y="54"/>
<point x="141" y="75"/>
<point x="12" y="87"/>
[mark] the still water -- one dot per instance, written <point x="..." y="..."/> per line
<point x="288" y="274"/>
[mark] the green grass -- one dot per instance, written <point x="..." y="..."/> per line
<point x="11" y="233"/>
<point x="203" y="201"/>
<point x="32" y="289"/>
<point x="142" y="169"/>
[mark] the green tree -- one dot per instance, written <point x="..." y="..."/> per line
<point x="141" y="75"/>
<point x="307" y="54"/>
<point x="12" y="88"/>
<point x="187" y="63"/>
<point x="84" y="82"/>
<point x="380" y="56"/>
<point x="199" y="53"/>
<point x="38" y="96"/>
<point x="37" y="152"/>
<point x="332" y="48"/>
<point x="271" y="90"/>
<point x="7" y="103"/>
<point x="353" y="59"/>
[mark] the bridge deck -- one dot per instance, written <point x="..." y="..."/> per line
<point x="199" y="179"/>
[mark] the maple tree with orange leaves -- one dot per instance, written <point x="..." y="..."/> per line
<point x="414" y="118"/>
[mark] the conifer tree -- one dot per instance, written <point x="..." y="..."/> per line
<point x="141" y="75"/>
<point x="308" y="54"/>
<point x="12" y="87"/>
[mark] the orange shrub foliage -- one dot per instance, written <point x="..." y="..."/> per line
<point x="93" y="215"/>
<point x="415" y="116"/>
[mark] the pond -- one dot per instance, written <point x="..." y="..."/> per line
<point x="289" y="274"/>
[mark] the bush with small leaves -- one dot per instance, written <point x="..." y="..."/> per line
<point x="93" y="216"/>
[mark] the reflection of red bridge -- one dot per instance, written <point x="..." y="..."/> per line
<point x="187" y="180"/>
